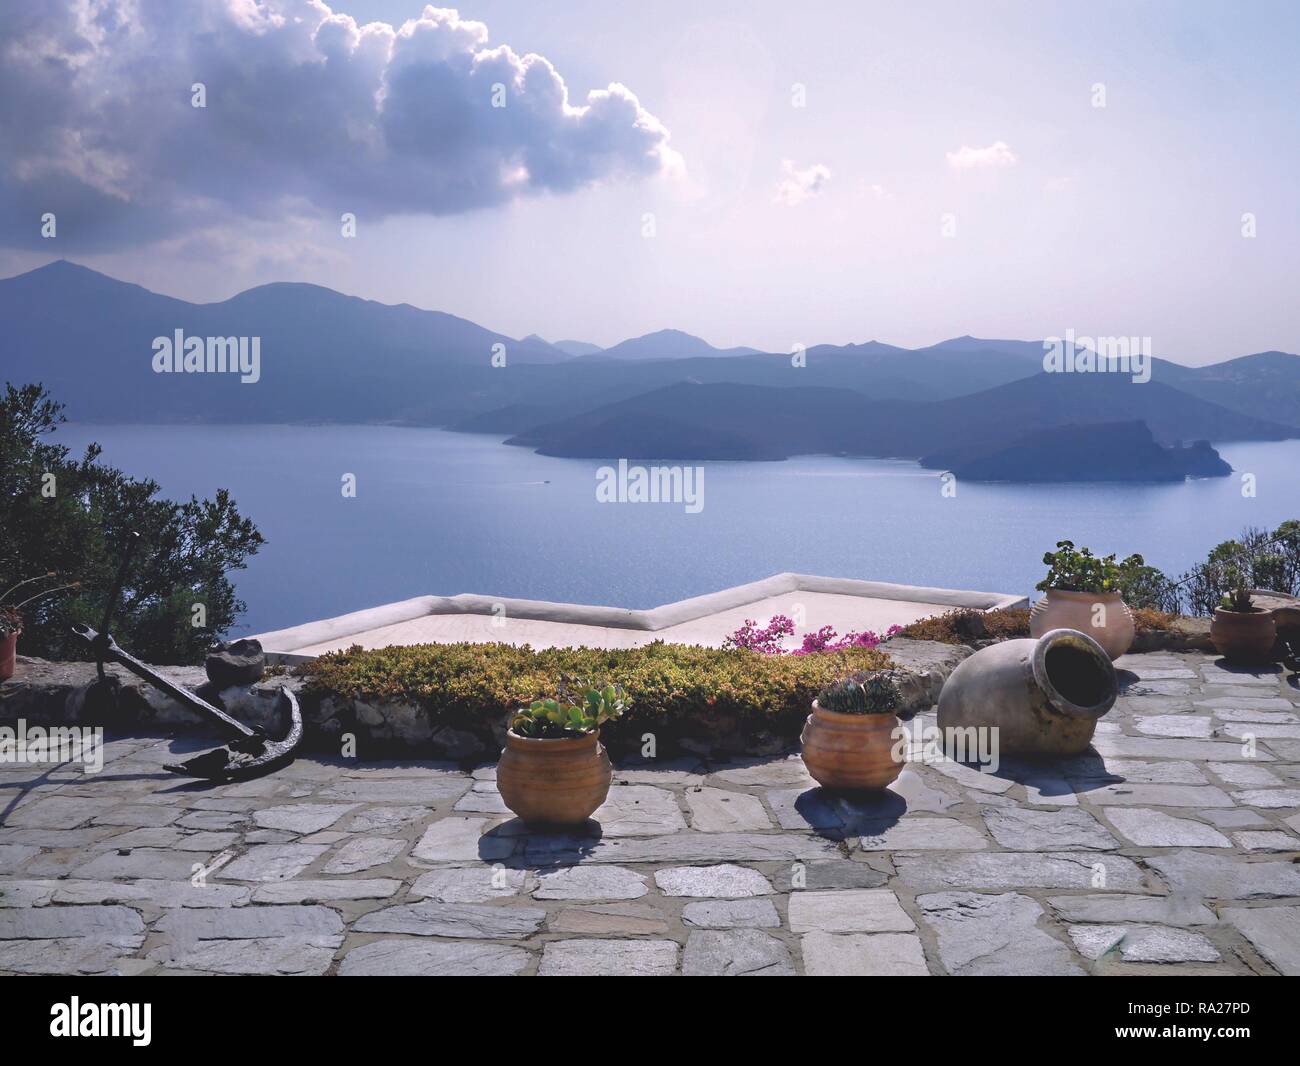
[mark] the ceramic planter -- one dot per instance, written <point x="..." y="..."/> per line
<point x="8" y="649"/>
<point x="1062" y="609"/>
<point x="1042" y="696"/>
<point x="1244" y="636"/>
<point x="557" y="782"/>
<point x="850" y="752"/>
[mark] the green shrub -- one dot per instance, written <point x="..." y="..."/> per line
<point x="672" y="690"/>
<point x="1074" y="569"/>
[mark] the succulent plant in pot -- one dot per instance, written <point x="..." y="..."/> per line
<point x="1083" y="594"/>
<point x="1242" y="632"/>
<point x="553" y="770"/>
<point x="848" y="739"/>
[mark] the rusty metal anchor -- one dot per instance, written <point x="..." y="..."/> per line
<point x="251" y="754"/>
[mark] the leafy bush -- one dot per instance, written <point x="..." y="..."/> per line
<point x="1073" y="569"/>
<point x="79" y="530"/>
<point x="964" y="626"/>
<point x="862" y="693"/>
<point x="672" y="689"/>
<point x="1257" y="559"/>
<point x="566" y="716"/>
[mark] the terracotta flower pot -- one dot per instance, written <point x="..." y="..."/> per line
<point x="1244" y="636"/>
<point x="554" y="782"/>
<point x="1081" y="611"/>
<point x="850" y="752"/>
<point x="8" y="649"/>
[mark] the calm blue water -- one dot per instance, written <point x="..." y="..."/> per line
<point x="442" y="513"/>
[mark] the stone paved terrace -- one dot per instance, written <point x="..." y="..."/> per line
<point x="1171" y="850"/>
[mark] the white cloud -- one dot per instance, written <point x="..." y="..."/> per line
<point x="997" y="154"/>
<point x="306" y="111"/>
<point x="795" y="186"/>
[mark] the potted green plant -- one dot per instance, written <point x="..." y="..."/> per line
<point x="553" y="770"/>
<point x="1242" y="632"/>
<point x="848" y="739"/>
<point x="1083" y="593"/>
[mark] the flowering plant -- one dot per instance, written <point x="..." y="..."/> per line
<point x="767" y="641"/>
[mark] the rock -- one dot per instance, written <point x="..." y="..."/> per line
<point x="1275" y="841"/>
<point x="271" y="862"/>
<point x="828" y="873"/>
<point x="739" y="953"/>
<point x="610" y="919"/>
<point x="1215" y="877"/>
<point x="590" y="882"/>
<point x="155" y="893"/>
<point x="687" y="846"/>
<point x="723" y="880"/>
<point x="871" y="910"/>
<point x="925" y="666"/>
<point x="147" y="863"/>
<point x="302" y="817"/>
<point x="466" y="921"/>
<point x="1273" y="931"/>
<point x="241" y="662"/>
<point x="411" y="958"/>
<point x="858" y="955"/>
<point x="1152" y="829"/>
<point x="994" y="935"/>
<point x="457" y="839"/>
<point x="1241" y="775"/>
<point x="731" y="914"/>
<point x="1127" y="793"/>
<point x="1268" y="798"/>
<point x="609" y="958"/>
<point x="364" y="853"/>
<point x="771" y="773"/>
<point x="475" y="884"/>
<point x="1174" y="725"/>
<point x="716" y="810"/>
<point x="1114" y="744"/>
<point x="381" y="818"/>
<point x="923" y="834"/>
<point x="1142" y="943"/>
<point x="1009" y="870"/>
<point x="262" y="940"/>
<point x="639" y="810"/>
<point x="1026" y="830"/>
<point x="319" y="891"/>
<point x="1157" y="910"/>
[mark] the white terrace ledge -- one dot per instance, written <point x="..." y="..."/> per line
<point x="844" y="603"/>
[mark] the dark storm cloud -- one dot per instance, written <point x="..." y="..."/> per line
<point x="306" y="112"/>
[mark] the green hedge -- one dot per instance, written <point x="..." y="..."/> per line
<point x="676" y="690"/>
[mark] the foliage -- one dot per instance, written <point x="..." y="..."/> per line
<point x="673" y="689"/>
<point x="1078" y="570"/>
<point x="965" y="626"/>
<point x="1257" y="559"/>
<point x="565" y="716"/>
<point x="71" y="516"/>
<point x="874" y="692"/>
<point x="767" y="641"/>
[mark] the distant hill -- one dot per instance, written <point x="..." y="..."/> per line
<point x="801" y="421"/>
<point x="1101" y="451"/>
<point x="1266" y="384"/>
<point x="669" y="344"/>
<point x="324" y="356"/>
<point x="577" y="347"/>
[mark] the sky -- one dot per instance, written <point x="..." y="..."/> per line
<point x="763" y="174"/>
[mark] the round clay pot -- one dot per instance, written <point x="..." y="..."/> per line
<point x="1244" y="636"/>
<point x="1062" y="609"/>
<point x="850" y="752"/>
<point x="8" y="649"/>
<point x="554" y="782"/>
<point x="1043" y="697"/>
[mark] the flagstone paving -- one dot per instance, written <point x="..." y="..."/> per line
<point x="1173" y="847"/>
